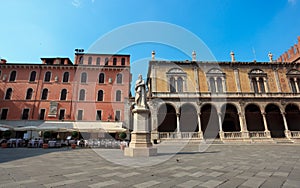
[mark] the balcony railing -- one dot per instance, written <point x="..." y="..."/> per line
<point x="223" y="95"/>
<point x="232" y="135"/>
<point x="258" y="134"/>
<point x="295" y="134"/>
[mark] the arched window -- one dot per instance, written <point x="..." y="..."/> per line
<point x="98" y="61"/>
<point x="100" y="95"/>
<point x="63" y="94"/>
<point x="44" y="94"/>
<point x="83" y="77"/>
<point x="13" y="76"/>
<point x="90" y="60"/>
<point x="261" y="85"/>
<point x="172" y="85"/>
<point x="29" y="93"/>
<point x="255" y="86"/>
<point x="119" y="78"/>
<point x="219" y="85"/>
<point x="123" y="61"/>
<point x="66" y="77"/>
<point x="81" y="60"/>
<point x="82" y="95"/>
<point x="179" y="84"/>
<point x="118" y="95"/>
<point x="106" y="61"/>
<point x="212" y="85"/>
<point x="101" y="78"/>
<point x="47" y="76"/>
<point x="115" y="61"/>
<point x="8" y="94"/>
<point x="32" y="76"/>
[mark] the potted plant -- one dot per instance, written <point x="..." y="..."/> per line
<point x="122" y="137"/>
<point x="46" y="135"/>
<point x="6" y="135"/>
<point x="74" y="135"/>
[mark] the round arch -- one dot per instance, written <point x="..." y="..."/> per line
<point x="209" y="121"/>
<point x="274" y="121"/>
<point x="188" y="118"/>
<point x="292" y="117"/>
<point x="166" y="117"/>
<point x="254" y="119"/>
<point x="231" y="122"/>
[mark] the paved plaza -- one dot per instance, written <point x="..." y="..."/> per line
<point x="218" y="166"/>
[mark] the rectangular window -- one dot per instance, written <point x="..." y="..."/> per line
<point x="42" y="114"/>
<point x="99" y="115"/>
<point x="61" y="114"/>
<point x="117" y="115"/>
<point x="4" y="114"/>
<point x="25" y="114"/>
<point x="79" y="114"/>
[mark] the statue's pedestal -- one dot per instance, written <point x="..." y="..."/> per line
<point x="140" y="145"/>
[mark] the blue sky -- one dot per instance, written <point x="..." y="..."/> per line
<point x="33" y="29"/>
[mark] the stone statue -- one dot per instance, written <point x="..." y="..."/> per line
<point x="140" y="92"/>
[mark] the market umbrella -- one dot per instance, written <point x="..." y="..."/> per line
<point x="27" y="128"/>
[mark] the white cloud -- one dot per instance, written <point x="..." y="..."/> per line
<point x="76" y="3"/>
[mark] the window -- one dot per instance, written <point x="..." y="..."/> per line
<point x="179" y="84"/>
<point x="4" y="113"/>
<point x="90" y="60"/>
<point x="119" y="78"/>
<point x="123" y="61"/>
<point x="66" y="77"/>
<point x="293" y="85"/>
<point x="101" y="78"/>
<point x="47" y="76"/>
<point x="25" y="114"/>
<point x="258" y="81"/>
<point x="172" y="85"/>
<point x="114" y="61"/>
<point x="63" y="94"/>
<point x="82" y="95"/>
<point x="106" y="61"/>
<point x="219" y="85"/>
<point x="29" y="93"/>
<point x="216" y="80"/>
<point x="100" y="95"/>
<point x="176" y="78"/>
<point x="42" y="114"/>
<point x="13" y="76"/>
<point x="98" y="61"/>
<point x="118" y="95"/>
<point x="0" y="73"/>
<point x="32" y="76"/>
<point x="61" y="114"/>
<point x="212" y="85"/>
<point x="44" y="94"/>
<point x="81" y="60"/>
<point x="8" y="94"/>
<point x="79" y="114"/>
<point x="117" y="115"/>
<point x="83" y="77"/>
<point x="99" y="115"/>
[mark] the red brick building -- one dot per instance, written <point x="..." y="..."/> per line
<point x="94" y="89"/>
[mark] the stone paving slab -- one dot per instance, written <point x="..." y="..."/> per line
<point x="222" y="166"/>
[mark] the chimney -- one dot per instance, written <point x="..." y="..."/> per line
<point x="153" y="55"/>
<point x="3" y="61"/>
<point x="232" y="56"/>
<point x="194" y="56"/>
<point x="270" y="57"/>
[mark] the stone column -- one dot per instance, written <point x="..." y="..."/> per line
<point x="296" y="85"/>
<point x="237" y="80"/>
<point x="244" y="131"/>
<point x="287" y="132"/>
<point x="200" y="133"/>
<point x="221" y="133"/>
<point x="258" y="84"/>
<point x="216" y="85"/>
<point x="223" y="84"/>
<point x="266" y="85"/>
<point x="178" y="125"/>
<point x="265" y="125"/>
